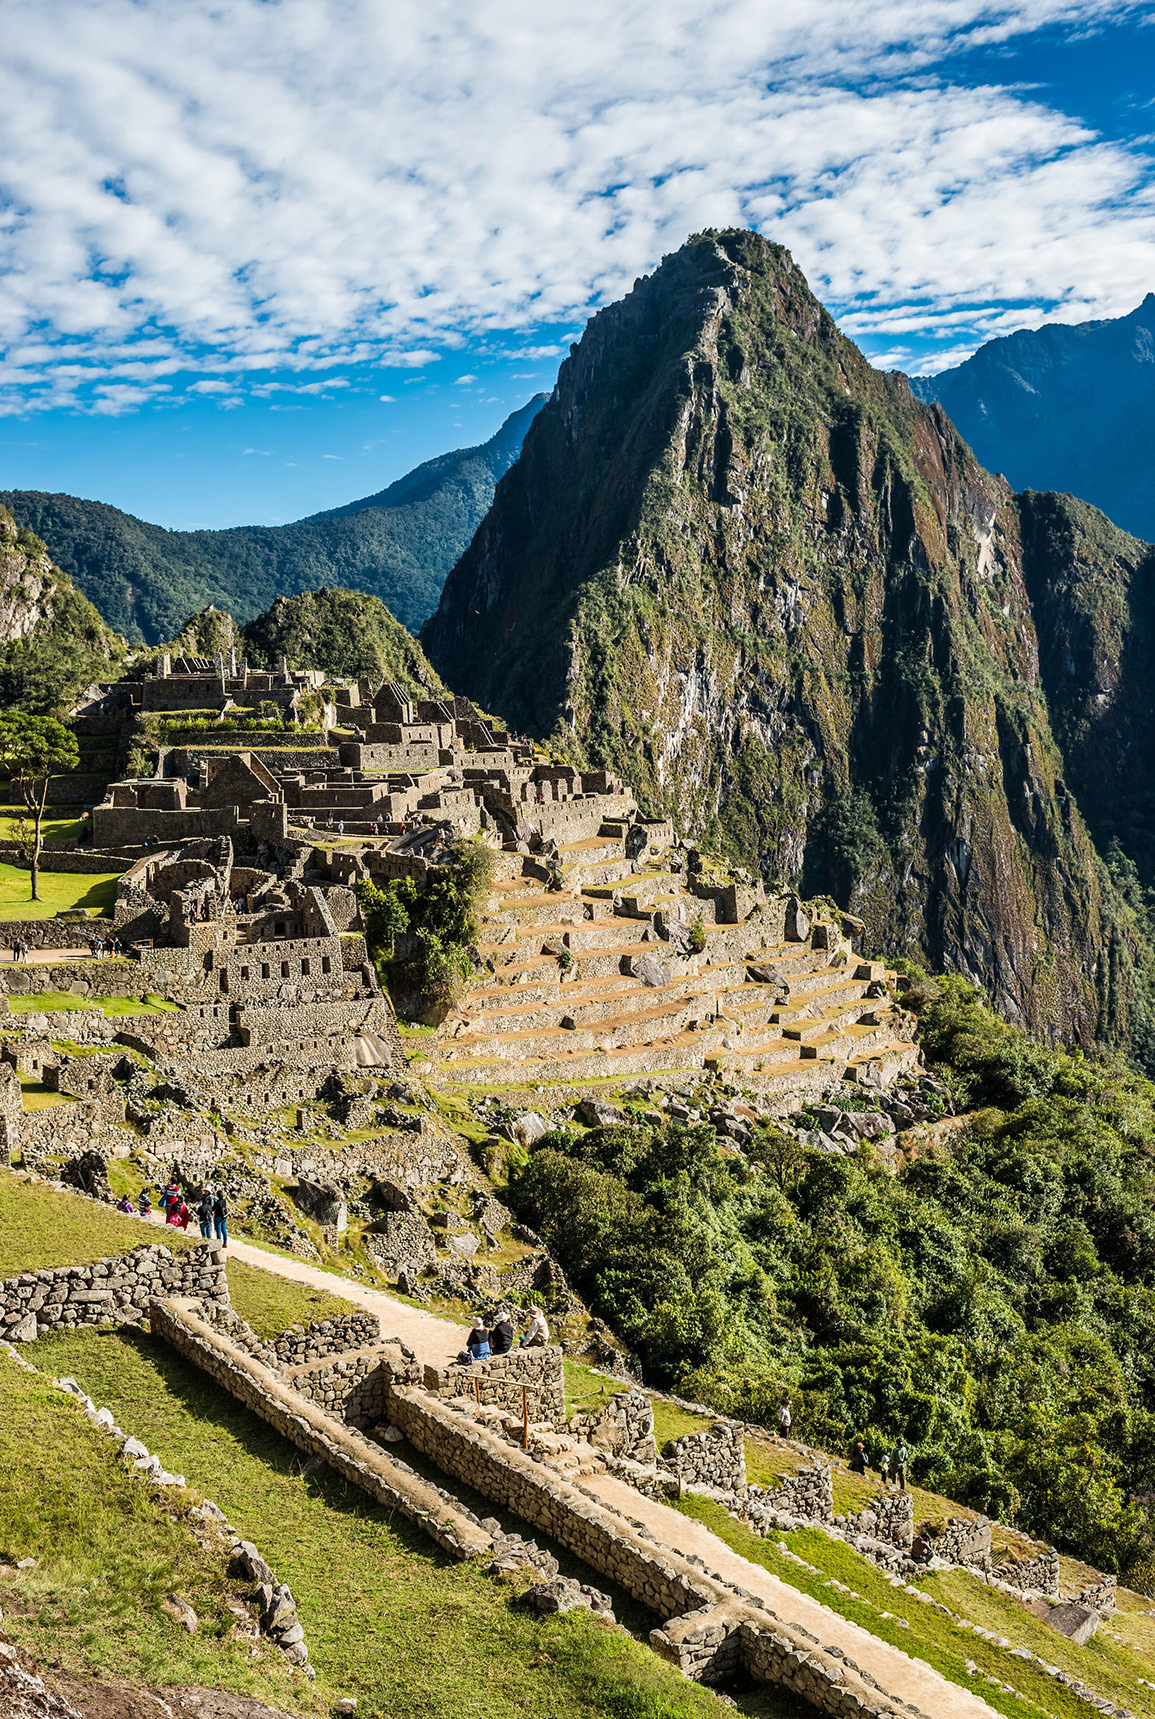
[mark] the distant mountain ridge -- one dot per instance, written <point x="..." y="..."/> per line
<point x="1067" y="407"/>
<point x="398" y="544"/>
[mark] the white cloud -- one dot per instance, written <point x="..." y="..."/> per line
<point x="319" y="183"/>
<point x="387" y="399"/>
<point x="461" y="380"/>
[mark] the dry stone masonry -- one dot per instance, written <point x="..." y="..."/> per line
<point x="114" y="1290"/>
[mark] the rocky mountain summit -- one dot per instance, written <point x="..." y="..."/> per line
<point x="781" y="596"/>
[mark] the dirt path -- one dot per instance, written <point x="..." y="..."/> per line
<point x="437" y="1340"/>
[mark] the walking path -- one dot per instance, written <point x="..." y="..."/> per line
<point x="437" y="1340"/>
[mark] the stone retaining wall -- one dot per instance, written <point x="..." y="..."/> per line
<point x="116" y="1290"/>
<point x="1040" y="1574"/>
<point x="356" y="1387"/>
<point x="53" y="933"/>
<point x="624" y="1427"/>
<point x="307" y="1426"/>
<point x="301" y="1344"/>
<point x="499" y="1382"/>
<point x="809" y="1493"/>
<point x="889" y="1516"/>
<point x="661" y="1578"/>
<point x="716" y="1457"/>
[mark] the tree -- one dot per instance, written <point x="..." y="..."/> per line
<point x="33" y="749"/>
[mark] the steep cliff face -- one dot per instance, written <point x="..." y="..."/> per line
<point x="52" y="641"/>
<point x="757" y="576"/>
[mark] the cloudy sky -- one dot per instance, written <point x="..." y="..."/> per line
<point x="260" y="256"/>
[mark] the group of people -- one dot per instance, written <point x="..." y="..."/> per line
<point x="211" y="1209"/>
<point x="892" y="1464"/>
<point x="20" y="948"/>
<point x="497" y="1338"/>
<point x="98" y="946"/>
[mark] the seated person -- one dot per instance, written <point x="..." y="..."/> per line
<point x="501" y="1332"/>
<point x="124" y="1204"/>
<point x="538" y="1334"/>
<point x="477" y="1343"/>
<point x="145" y="1203"/>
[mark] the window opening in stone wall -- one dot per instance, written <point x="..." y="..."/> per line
<point x="326" y="964"/>
<point x="284" y="969"/>
<point x="305" y="968"/>
<point x="264" y="969"/>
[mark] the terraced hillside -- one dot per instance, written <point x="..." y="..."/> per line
<point x="610" y="966"/>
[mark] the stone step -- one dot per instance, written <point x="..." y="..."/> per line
<point x="663" y="1019"/>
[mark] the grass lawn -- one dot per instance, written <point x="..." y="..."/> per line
<point x="107" y="1555"/>
<point x="387" y="1618"/>
<point x="270" y="1304"/>
<point x="95" y="892"/>
<point x="61" y="824"/>
<point x="41" y="1228"/>
<point x="1109" y="1668"/>
<point x="47" y="1002"/>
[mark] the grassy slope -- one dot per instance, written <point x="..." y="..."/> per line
<point x="270" y="1304"/>
<point x="41" y="1228"/>
<point x="386" y="1618"/>
<point x="107" y="1554"/>
<point x="41" y="1002"/>
<point x="1110" y="1667"/>
<point x="95" y="892"/>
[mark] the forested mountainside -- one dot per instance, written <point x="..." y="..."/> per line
<point x="780" y="594"/>
<point x="346" y="633"/>
<point x="1064" y="408"/>
<point x="52" y="641"/>
<point x="398" y="544"/>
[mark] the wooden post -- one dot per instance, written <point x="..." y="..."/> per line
<point x="477" y="1389"/>
<point x="525" y="1417"/>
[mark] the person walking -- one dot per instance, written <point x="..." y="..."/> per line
<point x="900" y="1457"/>
<point x="221" y="1217"/>
<point x="784" y="1418"/>
<point x="205" y="1213"/>
<point x="858" y="1462"/>
<point x="884" y="1471"/>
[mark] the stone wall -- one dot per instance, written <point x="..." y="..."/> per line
<point x="324" y="1337"/>
<point x="624" y="1427"/>
<point x="356" y="1458"/>
<point x="500" y="1382"/>
<point x="53" y="933"/>
<point x="116" y="1290"/>
<point x="961" y="1541"/>
<point x="716" y="1457"/>
<point x="1040" y="1574"/>
<point x="1099" y="1595"/>
<point x="808" y="1494"/>
<point x="354" y="1387"/>
<point x="889" y="1516"/>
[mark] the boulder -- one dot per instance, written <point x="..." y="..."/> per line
<point x="1077" y="1623"/>
<point x="181" y="1611"/>
<point x="765" y="973"/>
<point x="322" y="1201"/>
<point x="527" y="1127"/>
<point x="649" y="969"/>
<point x="595" y="1114"/>
<point x="797" y="928"/>
<point x="465" y="1245"/>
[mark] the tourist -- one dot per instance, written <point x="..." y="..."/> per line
<point x="221" y="1217"/>
<point x="900" y="1457"/>
<point x="538" y="1334"/>
<point x="501" y="1332"/>
<point x="784" y="1418"/>
<point x="144" y="1204"/>
<point x="858" y="1459"/>
<point x="341" y="827"/>
<point x="124" y="1204"/>
<point x="205" y="1213"/>
<point x="477" y="1343"/>
<point x="884" y="1470"/>
<point x="177" y="1214"/>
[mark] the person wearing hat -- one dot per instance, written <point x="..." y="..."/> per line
<point x="538" y="1334"/>
<point x="477" y="1343"/>
<point x="501" y="1332"/>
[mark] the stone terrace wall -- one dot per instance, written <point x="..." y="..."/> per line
<point x="659" y="1577"/>
<point x="54" y="933"/>
<point x="116" y="1290"/>
<point x="499" y="1381"/>
<point x="1040" y="1574"/>
<point x="716" y="1457"/>
<point x="307" y="1426"/>
<point x="623" y="1427"/>
<point x="323" y="1337"/>
<point x="809" y="1493"/>
<point x="354" y="1387"/>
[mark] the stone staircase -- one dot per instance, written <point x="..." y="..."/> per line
<point x="599" y="979"/>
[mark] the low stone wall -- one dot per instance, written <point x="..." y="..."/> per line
<point x="1100" y="1595"/>
<point x="623" y="1428"/>
<point x="355" y="1387"/>
<point x="53" y="933"/>
<point x="301" y="1344"/>
<point x="961" y="1541"/>
<point x="770" y="1649"/>
<point x="307" y="1426"/>
<point x="1040" y="1574"/>
<point x="111" y="977"/>
<point x="115" y="1290"/>
<point x="889" y="1516"/>
<point x="809" y="1494"/>
<point x="500" y="1381"/>
<point x="716" y="1457"/>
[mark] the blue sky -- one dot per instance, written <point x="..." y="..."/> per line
<point x="259" y="258"/>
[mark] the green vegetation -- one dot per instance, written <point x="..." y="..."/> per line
<point x="60" y="892"/>
<point x="398" y="545"/>
<point x="69" y="645"/>
<point x="59" y="826"/>
<point x="994" y="1303"/>
<point x="438" y="920"/>
<point x="107" y="1554"/>
<point x="270" y="1304"/>
<point x="345" y="633"/>
<point x="40" y="1228"/>
<point x="386" y="1617"/>
<point x="33" y="749"/>
<point x="41" y="1002"/>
